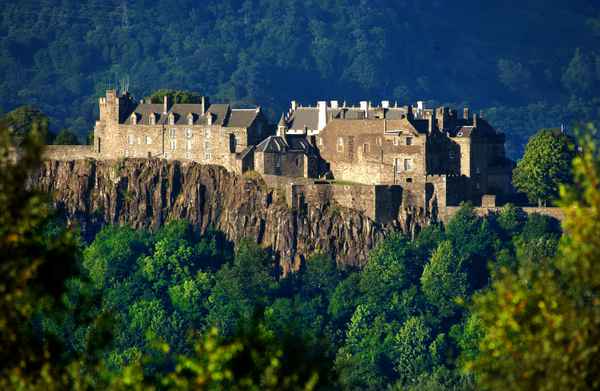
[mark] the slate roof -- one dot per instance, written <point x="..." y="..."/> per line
<point x="272" y="144"/>
<point x="223" y="114"/>
<point x="309" y="116"/>
<point x="278" y="144"/>
<point x="242" y="118"/>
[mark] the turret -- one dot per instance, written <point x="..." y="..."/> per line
<point x="282" y="126"/>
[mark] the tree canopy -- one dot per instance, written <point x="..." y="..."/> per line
<point x="545" y="165"/>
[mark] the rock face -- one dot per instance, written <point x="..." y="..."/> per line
<point x="147" y="193"/>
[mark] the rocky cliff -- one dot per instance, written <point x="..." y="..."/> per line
<point x="147" y="193"/>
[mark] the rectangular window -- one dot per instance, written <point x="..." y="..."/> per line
<point x="188" y="145"/>
<point x="409" y="141"/>
<point x="395" y="141"/>
<point x="340" y="144"/>
<point x="131" y="139"/>
<point x="408" y="164"/>
<point x="397" y="165"/>
<point x="188" y="133"/>
<point x="173" y="145"/>
<point x="172" y="132"/>
<point x="148" y="140"/>
<point x="207" y="132"/>
<point x="365" y="148"/>
<point x="207" y="154"/>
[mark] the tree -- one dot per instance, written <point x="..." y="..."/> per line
<point x="443" y="282"/>
<point x="541" y="324"/>
<point x="579" y="76"/>
<point x="66" y="137"/>
<point x="34" y="263"/>
<point x="175" y="96"/>
<point x="545" y="165"/>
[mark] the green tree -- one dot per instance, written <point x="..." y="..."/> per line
<point x="66" y="137"/>
<point x="34" y="263"/>
<point x="176" y="96"/>
<point x="541" y="325"/>
<point x="545" y="165"/>
<point x="443" y="283"/>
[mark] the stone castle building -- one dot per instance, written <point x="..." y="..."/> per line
<point x="208" y="134"/>
<point x="389" y="157"/>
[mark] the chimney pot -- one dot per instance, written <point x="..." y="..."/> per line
<point x="165" y="105"/>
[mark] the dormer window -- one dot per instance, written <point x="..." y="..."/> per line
<point x="134" y="119"/>
<point x="190" y="119"/>
<point x="409" y="141"/>
<point x="171" y="119"/>
<point x="152" y="119"/>
<point x="209" y="118"/>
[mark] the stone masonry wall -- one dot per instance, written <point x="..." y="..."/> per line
<point x="69" y="152"/>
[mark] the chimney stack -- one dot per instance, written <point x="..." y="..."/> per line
<point x="385" y="104"/>
<point x="334" y="104"/>
<point x="322" y="105"/>
<point x="165" y="104"/>
<point x="294" y="105"/>
<point x="475" y="119"/>
<point x="364" y="106"/>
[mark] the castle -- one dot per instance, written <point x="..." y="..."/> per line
<point x="384" y="157"/>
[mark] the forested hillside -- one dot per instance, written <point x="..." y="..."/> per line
<point x="525" y="64"/>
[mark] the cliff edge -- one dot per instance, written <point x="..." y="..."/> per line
<point x="146" y="193"/>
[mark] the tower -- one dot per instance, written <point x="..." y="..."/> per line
<point x="282" y="126"/>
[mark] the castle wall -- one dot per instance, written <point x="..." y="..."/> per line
<point x="361" y="151"/>
<point x="69" y="152"/>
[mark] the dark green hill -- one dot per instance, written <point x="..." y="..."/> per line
<point x="516" y="60"/>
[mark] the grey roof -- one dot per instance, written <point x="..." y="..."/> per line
<point x="225" y="116"/>
<point x="241" y="118"/>
<point x="272" y="144"/>
<point x="309" y="116"/>
<point x="221" y="111"/>
<point x="305" y="117"/>
<point x="291" y="143"/>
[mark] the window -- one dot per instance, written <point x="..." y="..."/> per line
<point x="207" y="154"/>
<point x="131" y="139"/>
<point x="409" y="180"/>
<point x="148" y="140"/>
<point x="173" y="145"/>
<point x="126" y="153"/>
<point x="207" y="132"/>
<point x="395" y="141"/>
<point x="188" y="145"/>
<point x="366" y="148"/>
<point x="173" y="132"/>
<point x="152" y="119"/>
<point x="408" y="164"/>
<point x="340" y="144"/>
<point x="190" y="119"/>
<point x="133" y="119"/>
<point x="397" y="166"/>
<point x="409" y="140"/>
<point x="188" y="133"/>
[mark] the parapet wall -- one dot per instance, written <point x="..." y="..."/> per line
<point x="69" y="152"/>
<point x="380" y="203"/>
<point x="553" y="212"/>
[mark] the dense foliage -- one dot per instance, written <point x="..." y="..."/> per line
<point x="401" y="321"/>
<point x="541" y="320"/>
<point x="501" y="302"/>
<point x="545" y="165"/>
<point x="527" y="64"/>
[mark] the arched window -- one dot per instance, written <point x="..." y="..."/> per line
<point x="133" y="118"/>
